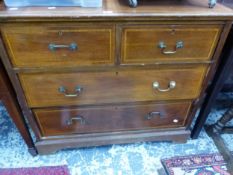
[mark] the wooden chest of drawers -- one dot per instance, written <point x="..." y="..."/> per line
<point x="112" y="75"/>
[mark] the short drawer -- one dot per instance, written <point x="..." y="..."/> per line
<point x="174" y="43"/>
<point x="60" y="45"/>
<point x="111" y="118"/>
<point x="83" y="88"/>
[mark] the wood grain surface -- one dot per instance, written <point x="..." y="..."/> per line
<point x="140" y="43"/>
<point x="29" y="47"/>
<point x="41" y="90"/>
<point x="111" y="118"/>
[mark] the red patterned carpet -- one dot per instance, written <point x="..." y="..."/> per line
<point x="50" y="170"/>
<point x="207" y="164"/>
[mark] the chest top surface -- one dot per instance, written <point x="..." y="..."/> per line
<point x="119" y="9"/>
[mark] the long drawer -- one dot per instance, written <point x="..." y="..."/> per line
<point x="84" y="88"/>
<point x="52" y="45"/>
<point x="111" y="118"/>
<point x="147" y="44"/>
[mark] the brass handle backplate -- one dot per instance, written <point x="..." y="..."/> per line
<point x="54" y="47"/>
<point x="163" y="46"/>
<point x="171" y="85"/>
<point x="78" y="118"/>
<point x="63" y="90"/>
<point x="151" y="115"/>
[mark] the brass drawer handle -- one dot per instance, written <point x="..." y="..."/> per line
<point x="54" y="47"/>
<point x="171" y="85"/>
<point x="78" y="118"/>
<point x="151" y="115"/>
<point x="163" y="46"/>
<point x="78" y="90"/>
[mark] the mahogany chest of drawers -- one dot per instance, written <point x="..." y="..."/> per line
<point x="88" y="77"/>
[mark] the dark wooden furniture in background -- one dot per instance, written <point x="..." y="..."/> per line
<point x="88" y="77"/>
<point x="220" y="81"/>
<point x="228" y="83"/>
<point x="8" y="98"/>
<point x="215" y="130"/>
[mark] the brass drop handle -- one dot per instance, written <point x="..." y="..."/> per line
<point x="171" y="85"/>
<point x="63" y="90"/>
<point x="78" y="118"/>
<point x="54" y="47"/>
<point x="151" y="115"/>
<point x="163" y="46"/>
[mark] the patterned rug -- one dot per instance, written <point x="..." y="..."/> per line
<point x="50" y="170"/>
<point x="205" y="164"/>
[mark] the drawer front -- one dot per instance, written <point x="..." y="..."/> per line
<point x="61" y="45"/>
<point x="151" y="44"/>
<point x="64" y="89"/>
<point x="111" y="118"/>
